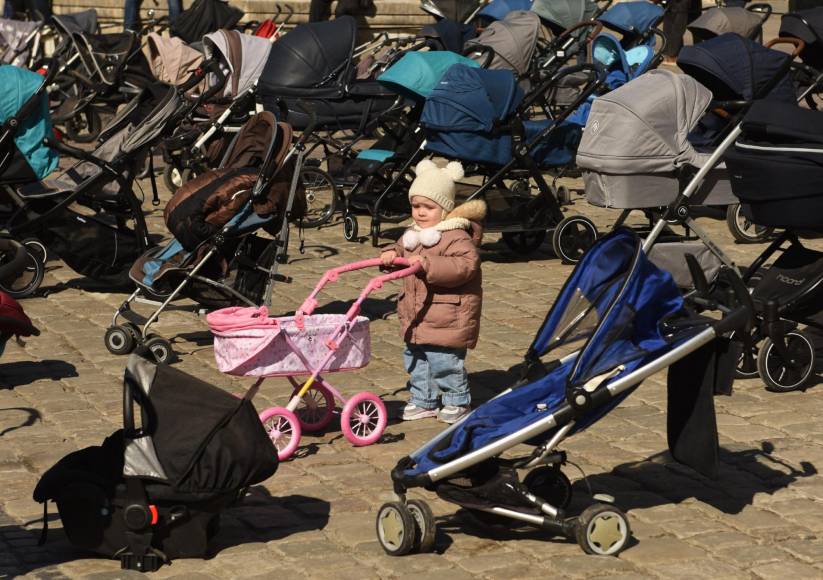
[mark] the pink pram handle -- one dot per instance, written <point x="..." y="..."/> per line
<point x="310" y="303"/>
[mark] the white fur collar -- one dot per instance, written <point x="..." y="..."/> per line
<point x="429" y="237"/>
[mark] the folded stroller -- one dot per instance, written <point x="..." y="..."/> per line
<point x="775" y="172"/>
<point x="747" y="22"/>
<point x="215" y="257"/>
<point x="154" y="490"/>
<point x="623" y="320"/>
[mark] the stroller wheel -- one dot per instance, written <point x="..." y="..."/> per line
<point x="321" y="196"/>
<point x="38" y="248"/>
<point x="160" y="349"/>
<point x="396" y="530"/>
<point x="572" y="237"/>
<point x="746" y="367"/>
<point x="524" y="242"/>
<point x="119" y="340"/>
<point x="550" y="484"/>
<point x="603" y="530"/>
<point x="283" y="429"/>
<point x="783" y="375"/>
<point x="174" y="177"/>
<point x="85" y="126"/>
<point x="363" y="419"/>
<point x="350" y="227"/>
<point x="29" y="279"/>
<point x="316" y="408"/>
<point x="425" y="528"/>
<point x="742" y="229"/>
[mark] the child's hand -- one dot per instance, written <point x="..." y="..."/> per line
<point x="388" y="257"/>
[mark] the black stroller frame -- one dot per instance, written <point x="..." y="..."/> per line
<point x="544" y="209"/>
<point x="132" y="334"/>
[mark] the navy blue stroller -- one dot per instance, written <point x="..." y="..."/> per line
<point x="635" y="22"/>
<point x="618" y="320"/>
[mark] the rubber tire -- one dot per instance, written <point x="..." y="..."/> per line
<point x="160" y="349"/>
<point x="39" y="269"/>
<point x="524" y="242"/>
<point x="294" y="425"/>
<point x="95" y="125"/>
<point x="405" y="543"/>
<point x="551" y="484"/>
<point x="347" y="415"/>
<point x="38" y="248"/>
<point x="806" y="343"/>
<point x="325" y="214"/>
<point x="733" y="223"/>
<point x="168" y="177"/>
<point x="567" y="225"/>
<point x="738" y="372"/>
<point x="426" y="528"/>
<point x="593" y="514"/>
<point x="350" y="228"/>
<point x="119" y="340"/>
<point x="326" y="398"/>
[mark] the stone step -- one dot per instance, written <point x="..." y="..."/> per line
<point x="391" y="16"/>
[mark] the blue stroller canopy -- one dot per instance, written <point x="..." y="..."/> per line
<point x="623" y="65"/>
<point x="459" y="114"/>
<point x="632" y="18"/>
<point x="20" y="85"/>
<point x="498" y="9"/>
<point x="733" y="68"/>
<point x="615" y="301"/>
<point x="417" y="73"/>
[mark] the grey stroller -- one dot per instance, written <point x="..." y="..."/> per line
<point x="635" y="155"/>
<point x="747" y="22"/>
<point x="20" y="42"/>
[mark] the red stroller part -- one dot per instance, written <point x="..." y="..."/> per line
<point x="13" y="321"/>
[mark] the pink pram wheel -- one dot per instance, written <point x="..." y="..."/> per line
<point x="363" y="419"/>
<point x="316" y="408"/>
<point x="283" y="429"/>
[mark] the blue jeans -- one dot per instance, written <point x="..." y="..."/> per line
<point x="131" y="18"/>
<point x="436" y="370"/>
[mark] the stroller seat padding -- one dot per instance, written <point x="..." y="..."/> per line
<point x="62" y="184"/>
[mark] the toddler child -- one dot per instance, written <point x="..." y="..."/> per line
<point x="439" y="309"/>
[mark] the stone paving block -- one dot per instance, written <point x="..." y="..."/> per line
<point x="662" y="550"/>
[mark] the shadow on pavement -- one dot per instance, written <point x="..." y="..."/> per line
<point x="28" y="415"/>
<point x="16" y="374"/>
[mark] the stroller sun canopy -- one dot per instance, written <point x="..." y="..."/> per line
<point x="311" y="55"/>
<point x="807" y="25"/>
<point x="416" y="73"/>
<point x="733" y="68"/>
<point x="633" y="18"/>
<point x="643" y="126"/>
<point x="172" y="60"/>
<point x="462" y="110"/>
<point x="499" y="9"/>
<point x="21" y="85"/>
<point x="243" y="55"/>
<point x="717" y="21"/>
<point x="563" y="14"/>
<point x="615" y="300"/>
<point x="512" y="39"/>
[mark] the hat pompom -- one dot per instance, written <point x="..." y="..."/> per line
<point x="454" y="170"/>
<point x="425" y="166"/>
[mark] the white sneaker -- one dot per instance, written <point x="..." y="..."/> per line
<point x="412" y="412"/>
<point x="452" y="413"/>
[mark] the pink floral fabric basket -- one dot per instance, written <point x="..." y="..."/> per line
<point x="265" y="350"/>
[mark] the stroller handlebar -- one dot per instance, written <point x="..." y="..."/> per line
<point x="332" y="275"/>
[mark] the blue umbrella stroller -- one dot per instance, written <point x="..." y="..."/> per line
<point x="625" y="320"/>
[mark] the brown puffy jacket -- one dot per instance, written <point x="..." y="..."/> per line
<point x="441" y="306"/>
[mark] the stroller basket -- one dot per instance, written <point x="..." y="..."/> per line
<point x="284" y="348"/>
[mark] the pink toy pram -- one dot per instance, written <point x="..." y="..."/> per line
<point x="249" y="343"/>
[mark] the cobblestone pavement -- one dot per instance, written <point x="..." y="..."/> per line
<point x="315" y="517"/>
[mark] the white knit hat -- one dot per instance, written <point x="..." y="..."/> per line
<point x="436" y="184"/>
